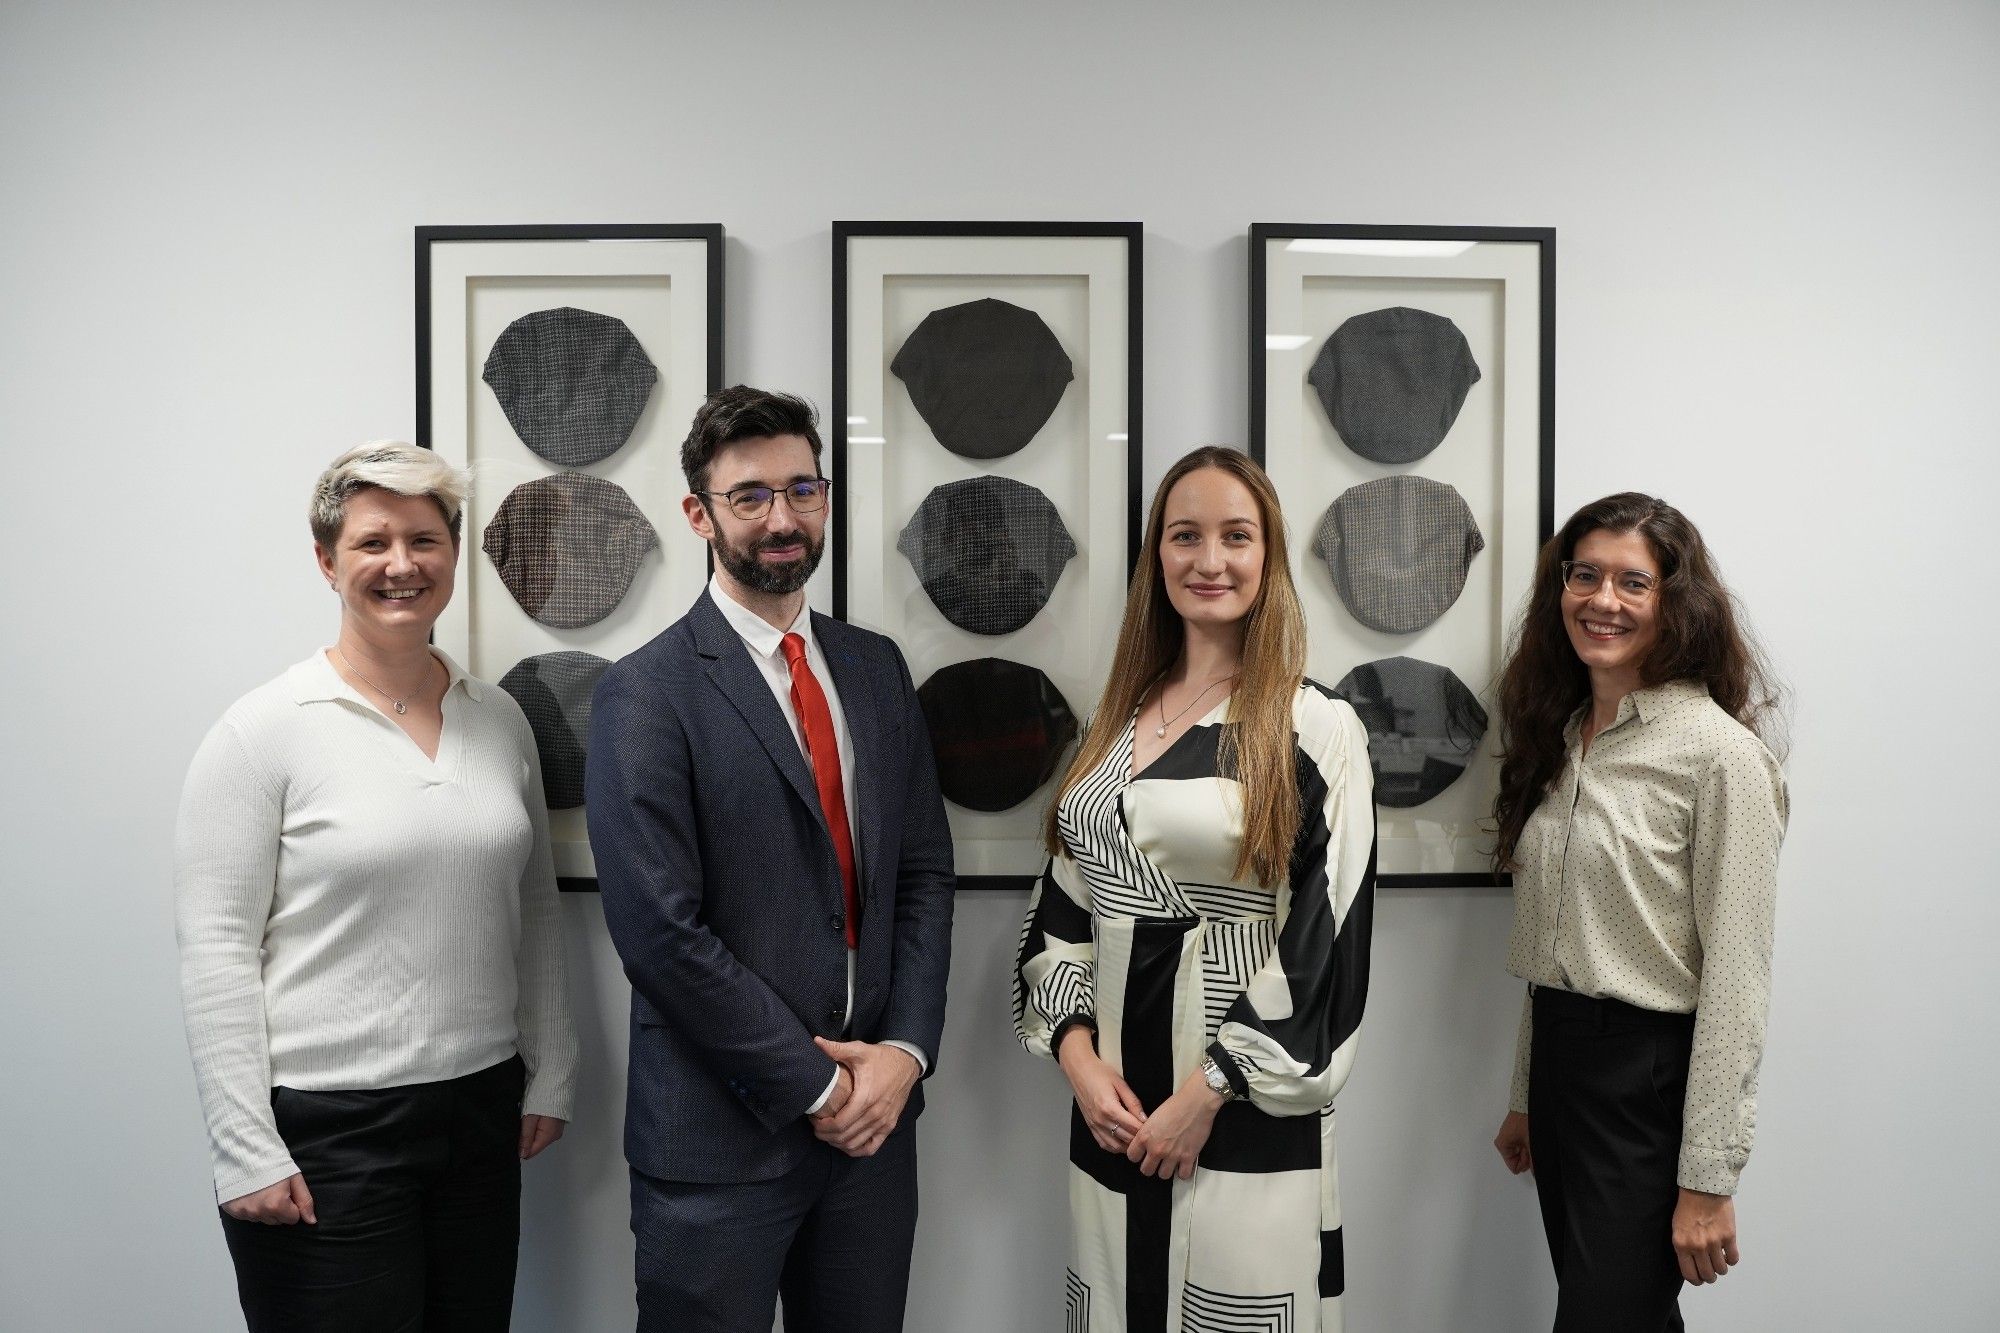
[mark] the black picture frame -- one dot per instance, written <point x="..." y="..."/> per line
<point x="934" y="249"/>
<point x="691" y="368"/>
<point x="1433" y="257"/>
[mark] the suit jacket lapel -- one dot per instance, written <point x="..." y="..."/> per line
<point x="864" y="727"/>
<point x="729" y="666"/>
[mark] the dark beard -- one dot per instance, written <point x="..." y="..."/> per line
<point x="779" y="580"/>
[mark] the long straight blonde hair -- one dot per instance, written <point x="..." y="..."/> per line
<point x="1256" y="747"/>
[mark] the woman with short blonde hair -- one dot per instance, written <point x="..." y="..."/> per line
<point x="371" y="952"/>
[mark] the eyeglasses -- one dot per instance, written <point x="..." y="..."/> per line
<point x="753" y="502"/>
<point x="1634" y="587"/>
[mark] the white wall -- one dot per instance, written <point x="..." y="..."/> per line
<point x="1777" y="289"/>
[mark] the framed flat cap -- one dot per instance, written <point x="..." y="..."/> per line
<point x="567" y="547"/>
<point x="1424" y="726"/>
<point x="554" y="690"/>
<point x="572" y="382"/>
<point x="1398" y="549"/>
<point x="1392" y="381"/>
<point x="998" y="729"/>
<point x="984" y="375"/>
<point x="988" y="550"/>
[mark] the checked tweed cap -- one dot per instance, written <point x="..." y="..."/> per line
<point x="1393" y="380"/>
<point x="1398" y="549"/>
<point x="567" y="547"/>
<point x="989" y="551"/>
<point x="998" y="730"/>
<point x="572" y="382"/>
<point x="1424" y="726"/>
<point x="554" y="690"/>
<point x="984" y="375"/>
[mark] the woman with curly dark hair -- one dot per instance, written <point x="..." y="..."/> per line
<point x="1640" y="811"/>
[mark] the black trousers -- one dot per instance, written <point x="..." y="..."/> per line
<point x="1605" y="1085"/>
<point x="418" y="1194"/>
<point x="833" y="1235"/>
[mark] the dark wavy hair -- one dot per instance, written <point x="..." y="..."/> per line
<point x="743" y="413"/>
<point x="1702" y="637"/>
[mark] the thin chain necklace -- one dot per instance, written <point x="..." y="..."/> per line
<point x="1166" y="721"/>
<point x="402" y="705"/>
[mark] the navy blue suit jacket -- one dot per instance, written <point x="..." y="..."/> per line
<point x="723" y="894"/>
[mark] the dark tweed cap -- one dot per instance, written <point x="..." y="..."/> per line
<point x="989" y="551"/>
<point x="554" y="690"/>
<point x="1424" y="726"/>
<point x="998" y="729"/>
<point x="1398" y="548"/>
<point x="567" y="547"/>
<point x="1393" y="381"/>
<point x="573" y="382"/>
<point x="984" y="375"/>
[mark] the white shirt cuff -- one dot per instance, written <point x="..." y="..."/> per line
<point x="824" y="1097"/>
<point x="923" y="1062"/>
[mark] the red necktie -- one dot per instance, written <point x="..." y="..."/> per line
<point x="816" y="720"/>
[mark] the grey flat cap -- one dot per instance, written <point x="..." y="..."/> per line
<point x="989" y="551"/>
<point x="572" y="382"/>
<point x="567" y="547"/>
<point x="1398" y="549"/>
<point x="1424" y="726"/>
<point x="1393" y="380"/>
<point x="998" y="730"/>
<point x="554" y="690"/>
<point x="984" y="375"/>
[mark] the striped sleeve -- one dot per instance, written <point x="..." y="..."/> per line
<point x="1291" y="1036"/>
<point x="1055" y="973"/>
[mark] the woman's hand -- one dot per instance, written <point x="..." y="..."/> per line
<point x="537" y="1133"/>
<point x="1512" y="1141"/>
<point x="284" y="1204"/>
<point x="1705" y="1235"/>
<point x="1110" y="1108"/>
<point x="1170" y="1141"/>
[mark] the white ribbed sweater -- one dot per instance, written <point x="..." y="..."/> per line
<point x="354" y="915"/>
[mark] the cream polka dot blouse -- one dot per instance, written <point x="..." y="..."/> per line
<point x="1649" y="874"/>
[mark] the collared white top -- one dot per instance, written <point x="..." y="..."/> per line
<point x="766" y="645"/>
<point x="1649" y="874"/>
<point x="355" y="915"/>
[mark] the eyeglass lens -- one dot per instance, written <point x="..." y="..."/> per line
<point x="755" y="501"/>
<point x="1629" y="585"/>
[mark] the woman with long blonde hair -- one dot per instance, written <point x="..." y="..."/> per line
<point x="1196" y="953"/>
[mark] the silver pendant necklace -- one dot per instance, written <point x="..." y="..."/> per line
<point x="401" y="704"/>
<point x="1166" y="721"/>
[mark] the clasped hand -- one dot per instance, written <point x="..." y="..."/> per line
<point x="1166" y="1143"/>
<point x="869" y="1090"/>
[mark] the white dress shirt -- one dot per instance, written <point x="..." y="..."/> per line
<point x="766" y="645"/>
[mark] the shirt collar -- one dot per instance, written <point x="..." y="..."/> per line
<point x="315" y="680"/>
<point x="753" y="629"/>
<point x="1655" y="700"/>
<point x="1649" y="703"/>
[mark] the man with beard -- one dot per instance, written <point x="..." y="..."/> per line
<point x="776" y="874"/>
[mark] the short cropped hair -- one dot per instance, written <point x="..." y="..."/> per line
<point x="743" y="413"/>
<point x="388" y="465"/>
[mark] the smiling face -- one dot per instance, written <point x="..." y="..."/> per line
<point x="774" y="554"/>
<point x="1611" y="634"/>
<point x="393" y="564"/>
<point x="1212" y="546"/>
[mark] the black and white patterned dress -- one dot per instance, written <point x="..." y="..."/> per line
<point x="1141" y="928"/>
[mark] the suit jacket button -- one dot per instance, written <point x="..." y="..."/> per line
<point x="836" y="920"/>
<point x="835" y="1017"/>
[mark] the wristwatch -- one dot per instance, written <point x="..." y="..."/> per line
<point x="1218" y="1082"/>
